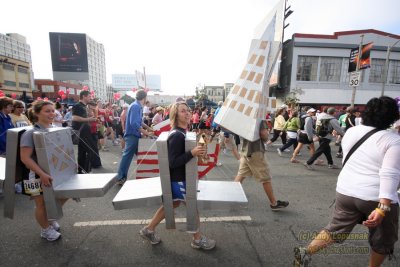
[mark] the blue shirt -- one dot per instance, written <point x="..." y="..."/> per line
<point x="5" y="124"/>
<point x="134" y="119"/>
<point x="214" y="125"/>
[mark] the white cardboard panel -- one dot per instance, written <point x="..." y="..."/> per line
<point x="139" y="194"/>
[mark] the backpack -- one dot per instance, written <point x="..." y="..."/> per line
<point x="303" y="121"/>
<point x="323" y="127"/>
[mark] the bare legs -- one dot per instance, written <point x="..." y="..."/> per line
<point x="267" y="186"/>
<point x="160" y="215"/>
<point x="323" y="239"/>
<point x="40" y="211"/>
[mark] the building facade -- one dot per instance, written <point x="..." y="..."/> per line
<point x="126" y="82"/>
<point x="79" y="59"/>
<point x="214" y="93"/>
<point x="317" y="67"/>
<point x="16" y="77"/>
<point x="51" y="89"/>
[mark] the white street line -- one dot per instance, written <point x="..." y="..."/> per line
<point x="143" y="222"/>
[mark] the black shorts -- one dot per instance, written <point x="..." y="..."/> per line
<point x="303" y="138"/>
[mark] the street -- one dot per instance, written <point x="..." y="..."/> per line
<point x="94" y="234"/>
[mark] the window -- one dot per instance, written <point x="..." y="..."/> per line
<point x="7" y="66"/>
<point x="376" y="72"/>
<point x="24" y="85"/>
<point x="22" y="70"/>
<point x="394" y="76"/>
<point x="10" y="83"/>
<point x="307" y="68"/>
<point x="330" y="69"/>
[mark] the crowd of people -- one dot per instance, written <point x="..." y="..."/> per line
<point x="369" y="197"/>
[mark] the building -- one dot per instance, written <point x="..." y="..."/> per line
<point x="79" y="59"/>
<point x="16" y="77"/>
<point x="214" y="93"/>
<point x="126" y="82"/>
<point x="316" y="65"/>
<point x="51" y="89"/>
<point x="227" y="89"/>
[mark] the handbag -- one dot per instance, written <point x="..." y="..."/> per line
<point x="75" y="135"/>
<point x="362" y="140"/>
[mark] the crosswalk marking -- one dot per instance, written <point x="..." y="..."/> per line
<point x="147" y="221"/>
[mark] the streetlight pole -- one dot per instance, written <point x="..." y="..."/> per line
<point x="386" y="68"/>
<point x="353" y="95"/>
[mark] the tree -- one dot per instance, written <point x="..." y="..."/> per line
<point x="292" y="99"/>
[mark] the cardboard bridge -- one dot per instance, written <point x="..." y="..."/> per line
<point x="157" y="190"/>
<point x="55" y="154"/>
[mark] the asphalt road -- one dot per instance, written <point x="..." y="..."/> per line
<point x="265" y="238"/>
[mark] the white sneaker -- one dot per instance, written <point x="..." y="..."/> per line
<point x="55" y="225"/>
<point x="50" y="234"/>
<point x="279" y="152"/>
<point x="219" y="164"/>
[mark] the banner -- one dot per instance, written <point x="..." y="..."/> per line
<point x="365" y="57"/>
<point x="141" y="80"/>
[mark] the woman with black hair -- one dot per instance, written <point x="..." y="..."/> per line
<point x="366" y="190"/>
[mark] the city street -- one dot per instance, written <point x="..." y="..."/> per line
<point x="94" y="234"/>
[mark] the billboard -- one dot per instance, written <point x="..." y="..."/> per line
<point x="68" y="52"/>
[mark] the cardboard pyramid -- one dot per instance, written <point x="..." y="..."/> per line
<point x="248" y="101"/>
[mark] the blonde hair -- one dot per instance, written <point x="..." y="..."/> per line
<point x="173" y="113"/>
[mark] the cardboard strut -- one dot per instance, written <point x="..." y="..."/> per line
<point x="13" y="169"/>
<point x="165" y="178"/>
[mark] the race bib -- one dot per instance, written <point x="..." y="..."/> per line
<point x="33" y="187"/>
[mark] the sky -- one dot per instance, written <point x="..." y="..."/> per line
<point x="187" y="42"/>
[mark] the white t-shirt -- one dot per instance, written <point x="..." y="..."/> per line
<point x="58" y="117"/>
<point x="373" y="171"/>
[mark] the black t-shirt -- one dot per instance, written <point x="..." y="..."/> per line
<point x="177" y="156"/>
<point x="79" y="109"/>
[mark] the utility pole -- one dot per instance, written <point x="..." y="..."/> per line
<point x="145" y="82"/>
<point x="353" y="95"/>
<point x="386" y="68"/>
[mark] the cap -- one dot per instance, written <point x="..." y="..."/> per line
<point x="311" y="110"/>
<point x="220" y="103"/>
<point x="70" y="107"/>
<point x="159" y="108"/>
<point x="179" y="99"/>
<point x="284" y="106"/>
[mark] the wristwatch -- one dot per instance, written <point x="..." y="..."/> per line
<point x="384" y="207"/>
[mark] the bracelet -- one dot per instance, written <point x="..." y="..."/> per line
<point x="380" y="212"/>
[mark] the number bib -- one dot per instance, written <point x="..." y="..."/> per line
<point x="33" y="187"/>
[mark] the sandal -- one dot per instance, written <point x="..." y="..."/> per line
<point x="294" y="161"/>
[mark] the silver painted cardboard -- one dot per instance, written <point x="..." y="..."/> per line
<point x="13" y="169"/>
<point x="85" y="185"/>
<point x="191" y="172"/>
<point x="220" y="194"/>
<point x="162" y="149"/>
<point x="55" y="153"/>
<point x="138" y="194"/>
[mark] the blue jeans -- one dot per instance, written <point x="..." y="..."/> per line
<point x="131" y="148"/>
